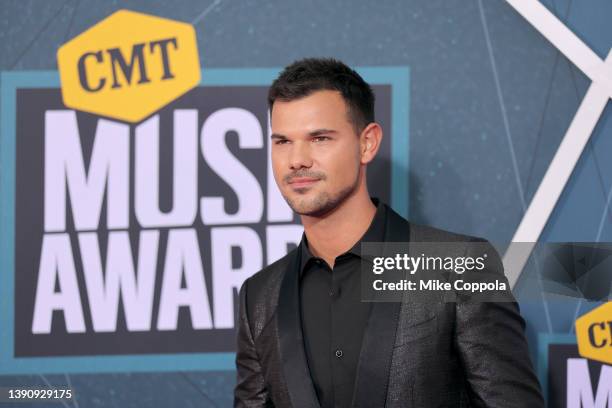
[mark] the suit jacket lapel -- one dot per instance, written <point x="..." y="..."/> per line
<point x="293" y="356"/>
<point x="379" y="337"/>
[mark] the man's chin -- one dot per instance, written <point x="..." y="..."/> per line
<point x="315" y="207"/>
<point x="316" y="212"/>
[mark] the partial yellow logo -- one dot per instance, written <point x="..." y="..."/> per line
<point x="594" y="334"/>
<point x="129" y="65"/>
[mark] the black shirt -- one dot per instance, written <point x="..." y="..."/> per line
<point x="333" y="316"/>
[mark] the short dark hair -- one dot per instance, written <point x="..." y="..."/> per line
<point x="308" y="75"/>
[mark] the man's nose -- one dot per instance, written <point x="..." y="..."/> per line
<point x="300" y="156"/>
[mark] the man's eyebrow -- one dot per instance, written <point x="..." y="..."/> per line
<point x="314" y="133"/>
<point x="319" y="132"/>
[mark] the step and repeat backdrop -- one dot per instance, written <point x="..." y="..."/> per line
<point x="136" y="191"/>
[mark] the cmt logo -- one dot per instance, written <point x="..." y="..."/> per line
<point x="129" y="66"/>
<point x="117" y="62"/>
<point x="594" y="334"/>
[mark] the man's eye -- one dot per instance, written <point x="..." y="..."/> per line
<point x="320" y="138"/>
<point x="281" y="141"/>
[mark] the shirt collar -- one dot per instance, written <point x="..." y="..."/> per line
<point x="374" y="233"/>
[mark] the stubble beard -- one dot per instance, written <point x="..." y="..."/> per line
<point x="323" y="203"/>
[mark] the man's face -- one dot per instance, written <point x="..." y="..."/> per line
<point x="315" y="152"/>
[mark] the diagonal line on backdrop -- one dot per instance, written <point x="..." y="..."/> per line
<point x="198" y="389"/>
<point x="71" y="22"/>
<point x="53" y="388"/>
<point x="552" y="77"/>
<point x="541" y="125"/>
<point x="573" y="68"/>
<point x="608" y="208"/>
<point x="205" y="12"/>
<point x="502" y="106"/>
<point x="38" y="34"/>
<point x="519" y="186"/>
<point x="75" y="402"/>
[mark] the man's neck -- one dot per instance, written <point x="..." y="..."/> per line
<point x="337" y="232"/>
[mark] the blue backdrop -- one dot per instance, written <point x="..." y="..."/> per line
<point x="490" y="101"/>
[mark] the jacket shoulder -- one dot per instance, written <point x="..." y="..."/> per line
<point x="427" y="233"/>
<point x="262" y="291"/>
<point x="424" y="233"/>
<point x="271" y="275"/>
<point x="464" y="244"/>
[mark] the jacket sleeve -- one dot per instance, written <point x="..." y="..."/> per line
<point x="492" y="346"/>
<point x="250" y="388"/>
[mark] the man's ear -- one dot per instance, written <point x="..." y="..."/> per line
<point x="370" y="140"/>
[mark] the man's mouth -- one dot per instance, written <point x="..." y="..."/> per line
<point x="302" y="182"/>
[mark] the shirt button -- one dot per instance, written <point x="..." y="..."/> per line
<point x="338" y="353"/>
<point x="332" y="293"/>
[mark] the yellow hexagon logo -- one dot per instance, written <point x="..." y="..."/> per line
<point x="129" y="65"/>
<point x="594" y="334"/>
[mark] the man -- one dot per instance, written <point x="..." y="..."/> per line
<point x="305" y="338"/>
